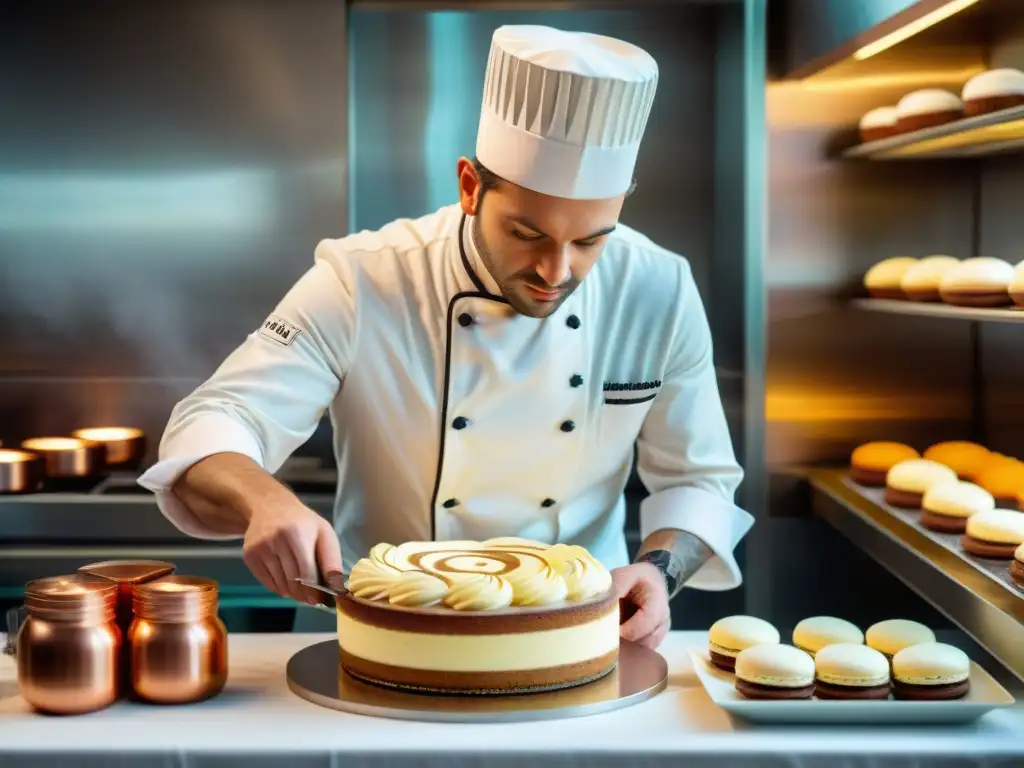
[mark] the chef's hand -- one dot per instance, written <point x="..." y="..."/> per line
<point x="644" y="603"/>
<point x="287" y="541"/>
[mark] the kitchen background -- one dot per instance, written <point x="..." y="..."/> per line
<point x="166" y="169"/>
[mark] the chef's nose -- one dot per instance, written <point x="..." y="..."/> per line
<point x="554" y="266"/>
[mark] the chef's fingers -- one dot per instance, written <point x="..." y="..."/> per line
<point x="625" y="579"/>
<point x="260" y="571"/>
<point x="656" y="637"/>
<point x="328" y="553"/>
<point x="642" y="623"/>
<point x="288" y="559"/>
<point x="273" y="565"/>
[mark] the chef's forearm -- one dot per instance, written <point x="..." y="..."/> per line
<point x="224" y="489"/>
<point x="687" y="554"/>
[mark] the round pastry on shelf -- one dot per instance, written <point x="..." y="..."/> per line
<point x="851" y="671"/>
<point x="1017" y="566"/>
<point x="927" y="108"/>
<point x="817" y="632"/>
<point x="907" y="482"/>
<point x="983" y="281"/>
<point x="871" y="462"/>
<point x="728" y="637"/>
<point x="994" y="90"/>
<point x="878" y="123"/>
<point x="931" y="672"/>
<point x="921" y="281"/>
<point x="774" y="672"/>
<point x="1016" y="287"/>
<point x="884" y="279"/>
<point x="994" y="534"/>
<point x="1004" y="479"/>
<point x="962" y="456"/>
<point x="946" y="507"/>
<point x="891" y="636"/>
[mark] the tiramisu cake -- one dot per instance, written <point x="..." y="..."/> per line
<point x="500" y="616"/>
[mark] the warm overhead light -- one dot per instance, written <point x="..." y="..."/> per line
<point x="912" y="28"/>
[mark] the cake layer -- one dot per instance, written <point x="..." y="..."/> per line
<point x="519" y="680"/>
<point x="592" y="638"/>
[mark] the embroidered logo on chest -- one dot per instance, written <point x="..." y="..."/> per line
<point x="279" y="330"/>
<point x="630" y="392"/>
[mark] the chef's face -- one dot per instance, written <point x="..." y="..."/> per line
<point x="537" y="248"/>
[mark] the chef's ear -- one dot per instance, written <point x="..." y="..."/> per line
<point x="470" y="186"/>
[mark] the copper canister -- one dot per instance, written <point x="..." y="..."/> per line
<point x="179" y="646"/>
<point x="67" y="650"/>
<point x="126" y="574"/>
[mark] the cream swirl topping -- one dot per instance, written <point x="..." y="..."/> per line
<point x="478" y="576"/>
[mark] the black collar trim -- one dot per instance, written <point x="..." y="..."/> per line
<point x="469" y="267"/>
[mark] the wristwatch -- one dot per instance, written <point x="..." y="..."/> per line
<point x="662" y="560"/>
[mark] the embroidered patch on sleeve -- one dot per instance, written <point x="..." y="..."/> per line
<point x="279" y="330"/>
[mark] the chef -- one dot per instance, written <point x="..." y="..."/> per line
<point x="487" y="368"/>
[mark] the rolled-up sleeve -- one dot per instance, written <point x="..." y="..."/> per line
<point x="267" y="397"/>
<point x="685" y="456"/>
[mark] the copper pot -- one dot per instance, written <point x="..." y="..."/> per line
<point x="68" y="460"/>
<point x="67" y="650"/>
<point x="123" y="447"/>
<point x="20" y="472"/>
<point x="179" y="647"/>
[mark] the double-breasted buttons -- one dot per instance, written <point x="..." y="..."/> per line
<point x="573" y="322"/>
<point x="465" y="319"/>
<point x="576" y="381"/>
<point x="568" y="425"/>
<point x="449" y="503"/>
<point x="548" y="503"/>
<point x="460" y="422"/>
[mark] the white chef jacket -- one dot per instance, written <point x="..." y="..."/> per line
<point x="456" y="418"/>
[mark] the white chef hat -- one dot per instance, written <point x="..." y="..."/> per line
<point x="564" y="112"/>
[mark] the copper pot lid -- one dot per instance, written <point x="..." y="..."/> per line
<point x="62" y="593"/>
<point x="128" y="571"/>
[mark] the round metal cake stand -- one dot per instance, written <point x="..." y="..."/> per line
<point x="315" y="674"/>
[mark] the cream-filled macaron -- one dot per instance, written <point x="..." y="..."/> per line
<point x="931" y="671"/>
<point x="994" y="533"/>
<point x="921" y="281"/>
<point x="878" y="123"/>
<point x="733" y="634"/>
<point x="983" y="281"/>
<point x="945" y="507"/>
<point x="891" y="636"/>
<point x="884" y="279"/>
<point x="927" y="108"/>
<point x="907" y="482"/>
<point x="817" y="632"/>
<point x="962" y="456"/>
<point x="851" y="671"/>
<point x="1017" y="566"/>
<point x="774" y="672"/>
<point x="1016" y="287"/>
<point x="993" y="90"/>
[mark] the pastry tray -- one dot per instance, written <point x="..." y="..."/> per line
<point x="997" y="570"/>
<point x="985" y="695"/>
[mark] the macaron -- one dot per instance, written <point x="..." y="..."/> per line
<point x="992" y="91"/>
<point x="921" y="281"/>
<point x="994" y="534"/>
<point x="962" y="456"/>
<point x="927" y="108"/>
<point x="907" y="482"/>
<point x="1004" y="479"/>
<point x="728" y="637"/>
<point x="891" y="636"/>
<point x="1017" y="566"/>
<point x="817" y="632"/>
<point x="884" y="279"/>
<point x="851" y="671"/>
<point x="1016" y="287"/>
<point x="946" y="507"/>
<point x="878" y="123"/>
<point x="774" y="672"/>
<point x="979" y="282"/>
<point x="931" y="672"/>
<point x="871" y="462"/>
